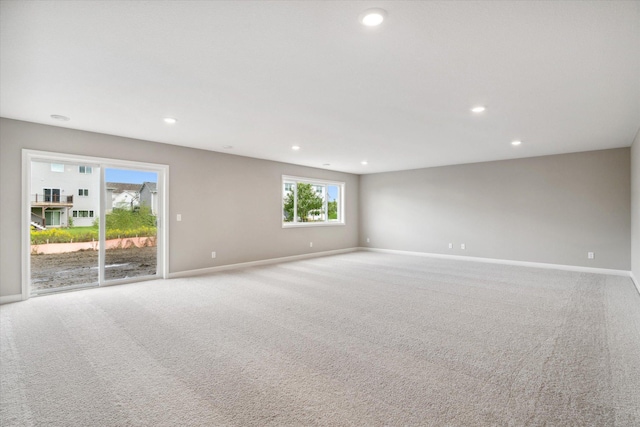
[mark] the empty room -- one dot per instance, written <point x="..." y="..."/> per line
<point x="319" y="213"/>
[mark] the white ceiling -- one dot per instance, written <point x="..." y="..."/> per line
<point x="263" y="76"/>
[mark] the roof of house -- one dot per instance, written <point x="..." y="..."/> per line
<point x="119" y="187"/>
<point x="152" y="186"/>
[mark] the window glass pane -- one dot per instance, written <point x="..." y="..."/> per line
<point x="288" y="202"/>
<point x="333" y="195"/>
<point x="310" y="203"/>
<point x="56" y="167"/>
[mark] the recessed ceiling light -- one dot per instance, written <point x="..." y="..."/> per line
<point x="373" y="17"/>
<point x="227" y="147"/>
<point x="479" y="109"/>
<point x="364" y="162"/>
<point x="517" y="142"/>
<point x="170" y="120"/>
<point x="60" y="118"/>
<point x="295" y="147"/>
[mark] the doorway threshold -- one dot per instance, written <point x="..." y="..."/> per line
<point x="60" y="289"/>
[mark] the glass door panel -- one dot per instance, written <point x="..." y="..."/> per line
<point x="131" y="209"/>
<point x="63" y="249"/>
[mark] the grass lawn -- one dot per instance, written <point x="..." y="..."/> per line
<point x="81" y="231"/>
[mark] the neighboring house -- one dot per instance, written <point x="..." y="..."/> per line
<point x="149" y="196"/>
<point x="122" y="195"/>
<point x="60" y="191"/>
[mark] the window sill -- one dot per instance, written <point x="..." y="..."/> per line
<point x="311" y="224"/>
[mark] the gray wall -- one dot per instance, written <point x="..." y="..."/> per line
<point x="551" y="209"/>
<point x="229" y="204"/>
<point x="635" y="208"/>
<point x="547" y="209"/>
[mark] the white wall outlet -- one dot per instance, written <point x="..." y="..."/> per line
<point x="213" y="254"/>
<point x="463" y="246"/>
<point x="179" y="217"/>
<point x="450" y="245"/>
<point x="368" y="240"/>
<point x="591" y="255"/>
<point x="310" y="244"/>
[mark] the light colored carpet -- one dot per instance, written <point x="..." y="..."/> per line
<point x="355" y="339"/>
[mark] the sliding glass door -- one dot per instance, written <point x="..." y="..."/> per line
<point x="130" y="223"/>
<point x="91" y="221"/>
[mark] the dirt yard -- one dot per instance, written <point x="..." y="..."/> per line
<point x="77" y="268"/>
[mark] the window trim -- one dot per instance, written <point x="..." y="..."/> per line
<point x="323" y="182"/>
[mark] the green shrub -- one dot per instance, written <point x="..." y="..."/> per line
<point x="125" y="219"/>
<point x="54" y="235"/>
<point x="116" y="233"/>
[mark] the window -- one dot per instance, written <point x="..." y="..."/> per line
<point x="85" y="169"/>
<point x="50" y="195"/>
<point x="82" y="214"/>
<point x="310" y="202"/>
<point x="57" y="167"/>
<point x="83" y="192"/>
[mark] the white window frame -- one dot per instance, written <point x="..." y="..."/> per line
<point x="87" y="169"/>
<point x="28" y="156"/>
<point x="85" y="192"/>
<point x="315" y="182"/>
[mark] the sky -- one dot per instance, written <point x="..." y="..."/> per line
<point x="129" y="176"/>
<point x="333" y="192"/>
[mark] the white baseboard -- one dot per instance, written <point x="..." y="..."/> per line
<point x="10" y="298"/>
<point x="201" y="271"/>
<point x="635" y="281"/>
<point x="581" y="269"/>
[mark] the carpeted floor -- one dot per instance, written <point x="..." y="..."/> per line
<point x="361" y="339"/>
